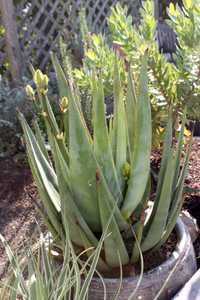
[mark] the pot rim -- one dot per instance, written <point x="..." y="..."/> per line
<point x="184" y="242"/>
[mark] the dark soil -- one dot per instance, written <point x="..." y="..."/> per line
<point x="17" y="211"/>
<point x="18" y="214"/>
<point x="192" y="201"/>
<point x="156" y="258"/>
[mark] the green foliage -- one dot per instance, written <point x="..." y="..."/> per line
<point x="187" y="25"/>
<point x="39" y="273"/>
<point x="133" y="39"/>
<point x="129" y="42"/>
<point x="175" y="85"/>
<point x="100" y="56"/>
<point x="100" y="182"/>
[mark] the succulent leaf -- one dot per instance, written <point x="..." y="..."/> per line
<point x="140" y="167"/>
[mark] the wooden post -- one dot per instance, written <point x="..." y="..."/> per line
<point x="11" y="37"/>
<point x="156" y="9"/>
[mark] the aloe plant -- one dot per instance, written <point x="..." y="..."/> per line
<point x="90" y="183"/>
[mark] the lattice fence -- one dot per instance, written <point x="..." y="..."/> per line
<point x="41" y="22"/>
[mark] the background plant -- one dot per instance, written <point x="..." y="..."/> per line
<point x="186" y="22"/>
<point x="178" y="83"/>
<point x="170" y="84"/>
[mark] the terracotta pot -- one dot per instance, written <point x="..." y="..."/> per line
<point x="183" y="258"/>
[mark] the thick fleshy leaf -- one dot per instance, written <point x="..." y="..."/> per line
<point x="44" y="176"/>
<point x="131" y="113"/>
<point x="114" y="239"/>
<point x="179" y="151"/>
<point x="40" y="140"/>
<point x="82" y="166"/>
<point x="72" y="217"/>
<point x="167" y="152"/>
<point x="140" y="167"/>
<point x="47" y="109"/>
<point x="64" y="83"/>
<point x="177" y="201"/>
<point x="102" y="145"/>
<point x="139" y="215"/>
<point x="52" y="126"/>
<point x="165" y="155"/>
<point x="44" y="169"/>
<point x="119" y="125"/>
<point x="63" y="87"/>
<point x="61" y="79"/>
<point x="158" y="220"/>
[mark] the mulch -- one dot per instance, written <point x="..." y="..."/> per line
<point x="18" y="214"/>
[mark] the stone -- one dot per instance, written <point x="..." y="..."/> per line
<point x="191" y="290"/>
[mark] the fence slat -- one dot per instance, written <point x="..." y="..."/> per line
<point x="11" y="39"/>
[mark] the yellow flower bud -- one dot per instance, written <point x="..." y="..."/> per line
<point x="29" y="91"/>
<point x="38" y="77"/>
<point x="126" y="170"/>
<point x="43" y="91"/>
<point x="60" y="136"/>
<point x="44" y="114"/>
<point x="41" y="80"/>
<point x="64" y="104"/>
<point x="45" y="80"/>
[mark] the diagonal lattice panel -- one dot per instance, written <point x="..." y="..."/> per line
<point x="41" y="22"/>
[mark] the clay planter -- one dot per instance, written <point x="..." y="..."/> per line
<point x="183" y="258"/>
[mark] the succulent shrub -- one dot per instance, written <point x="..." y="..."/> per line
<point x="186" y="23"/>
<point x="170" y="84"/>
<point x="90" y="183"/>
<point x="178" y="83"/>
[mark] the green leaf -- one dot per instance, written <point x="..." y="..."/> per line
<point x="177" y="202"/>
<point x="165" y="157"/>
<point x="102" y="145"/>
<point x="45" y="170"/>
<point x="131" y="112"/>
<point x="140" y="167"/>
<point x="179" y="152"/>
<point x="82" y="166"/>
<point x="139" y="215"/>
<point x="119" y="124"/>
<point x="114" y="240"/>
<point x="61" y="79"/>
<point x="158" y="219"/>
<point x="44" y="176"/>
<point x="71" y="215"/>
<point x="40" y="140"/>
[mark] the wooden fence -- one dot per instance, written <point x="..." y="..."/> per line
<point x="41" y="22"/>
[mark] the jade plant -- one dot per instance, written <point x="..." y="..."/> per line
<point x="92" y="182"/>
